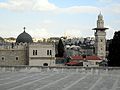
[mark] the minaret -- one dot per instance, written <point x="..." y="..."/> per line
<point x="100" y="38"/>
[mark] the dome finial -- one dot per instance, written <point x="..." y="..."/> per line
<point x="100" y="13"/>
<point x="24" y="28"/>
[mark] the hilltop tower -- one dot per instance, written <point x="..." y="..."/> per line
<point x="100" y="38"/>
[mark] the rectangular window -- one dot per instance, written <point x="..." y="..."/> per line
<point x="50" y="52"/>
<point x="47" y="52"/>
<point x="34" y="52"/>
<point x="17" y="58"/>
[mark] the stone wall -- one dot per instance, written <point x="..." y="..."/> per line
<point x="92" y="70"/>
<point x="13" y="57"/>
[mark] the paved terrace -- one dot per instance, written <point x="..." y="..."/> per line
<point x="58" y="78"/>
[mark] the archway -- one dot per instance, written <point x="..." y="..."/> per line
<point x="45" y="64"/>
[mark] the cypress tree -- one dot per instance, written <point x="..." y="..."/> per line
<point x="60" y="48"/>
<point x="114" y="51"/>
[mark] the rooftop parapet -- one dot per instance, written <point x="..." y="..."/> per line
<point x="12" y="46"/>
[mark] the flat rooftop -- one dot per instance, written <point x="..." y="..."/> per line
<point x="61" y="79"/>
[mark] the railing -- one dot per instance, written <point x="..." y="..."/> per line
<point x="92" y="70"/>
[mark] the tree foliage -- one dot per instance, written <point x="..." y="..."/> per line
<point x="60" y="48"/>
<point x="114" y="50"/>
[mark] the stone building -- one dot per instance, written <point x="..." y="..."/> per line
<point x="100" y="38"/>
<point x="90" y="46"/>
<point x="87" y="61"/>
<point x="13" y="54"/>
<point x="25" y="52"/>
<point x="42" y="54"/>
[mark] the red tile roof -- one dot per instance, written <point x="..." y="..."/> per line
<point x="72" y="63"/>
<point x="92" y="58"/>
<point x="77" y="58"/>
<point x="87" y="58"/>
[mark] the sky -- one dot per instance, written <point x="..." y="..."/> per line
<point x="56" y="18"/>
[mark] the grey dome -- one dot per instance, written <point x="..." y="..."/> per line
<point x="24" y="38"/>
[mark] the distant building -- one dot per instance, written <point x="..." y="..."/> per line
<point x="100" y="38"/>
<point x="10" y="39"/>
<point x="2" y="40"/>
<point x="79" y="46"/>
<point x="42" y="54"/>
<point x="54" y="39"/>
<point x="79" y="50"/>
<point x="25" y="52"/>
<point x="87" y="61"/>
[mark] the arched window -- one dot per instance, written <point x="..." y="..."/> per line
<point x="45" y="64"/>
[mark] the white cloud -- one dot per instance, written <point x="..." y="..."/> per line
<point x="72" y="33"/>
<point x="115" y="8"/>
<point x="47" y="21"/>
<point x="106" y="1"/>
<point x="110" y="32"/>
<point x="112" y="8"/>
<point x="42" y="33"/>
<point x="44" y="5"/>
<point x="43" y="29"/>
<point x="79" y="9"/>
<point x="116" y="21"/>
<point x="17" y="5"/>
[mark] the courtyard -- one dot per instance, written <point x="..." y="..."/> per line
<point x="60" y="79"/>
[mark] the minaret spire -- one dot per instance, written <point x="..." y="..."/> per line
<point x="100" y="37"/>
<point x="100" y="21"/>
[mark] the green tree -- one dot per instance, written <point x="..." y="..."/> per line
<point x="114" y="50"/>
<point x="60" y="48"/>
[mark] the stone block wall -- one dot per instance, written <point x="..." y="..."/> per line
<point x="13" y="57"/>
